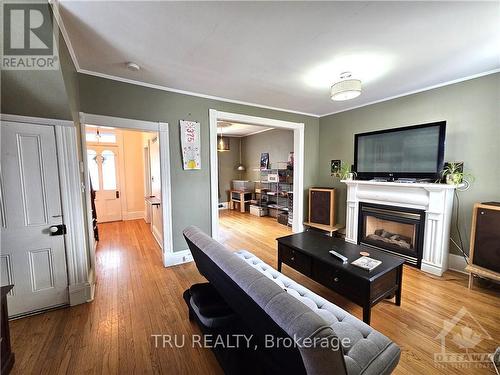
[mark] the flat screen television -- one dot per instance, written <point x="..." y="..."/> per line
<point x="408" y="152"/>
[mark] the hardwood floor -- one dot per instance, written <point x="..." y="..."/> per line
<point x="137" y="297"/>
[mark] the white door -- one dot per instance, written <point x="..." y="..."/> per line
<point x="32" y="258"/>
<point x="103" y="168"/>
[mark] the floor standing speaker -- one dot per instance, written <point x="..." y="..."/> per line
<point x="484" y="259"/>
<point x="322" y="206"/>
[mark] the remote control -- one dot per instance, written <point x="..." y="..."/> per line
<point x="339" y="256"/>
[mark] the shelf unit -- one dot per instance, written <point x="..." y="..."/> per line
<point x="274" y="189"/>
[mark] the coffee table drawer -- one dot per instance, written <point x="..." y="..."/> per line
<point x="295" y="259"/>
<point x="342" y="282"/>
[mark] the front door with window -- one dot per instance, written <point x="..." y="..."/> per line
<point x="33" y="255"/>
<point x="103" y="168"/>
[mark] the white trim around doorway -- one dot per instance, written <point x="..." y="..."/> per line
<point x="298" y="175"/>
<point x="162" y="129"/>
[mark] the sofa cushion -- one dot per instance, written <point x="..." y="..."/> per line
<point x="368" y="351"/>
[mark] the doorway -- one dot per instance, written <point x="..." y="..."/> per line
<point x="105" y="180"/>
<point x="296" y="178"/>
<point x="127" y="175"/>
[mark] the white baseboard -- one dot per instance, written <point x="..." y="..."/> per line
<point x="432" y="268"/>
<point x="225" y="205"/>
<point x="133" y="215"/>
<point x="157" y="235"/>
<point x="178" y="257"/>
<point x="81" y="293"/>
<point x="456" y="263"/>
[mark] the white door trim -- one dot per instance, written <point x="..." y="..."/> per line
<point x="37" y="120"/>
<point x="298" y="175"/>
<point x="166" y="188"/>
<point x="80" y="278"/>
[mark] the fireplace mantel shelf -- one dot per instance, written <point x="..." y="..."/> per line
<point x="435" y="199"/>
<point x="424" y="185"/>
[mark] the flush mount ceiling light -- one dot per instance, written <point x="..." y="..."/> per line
<point x="133" y="67"/>
<point x="346" y="88"/>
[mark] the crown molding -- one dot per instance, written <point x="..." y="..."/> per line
<point x="64" y="32"/>
<point x="191" y="93"/>
<point x="478" y="75"/>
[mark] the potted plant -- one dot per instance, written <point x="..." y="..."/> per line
<point x="344" y="172"/>
<point x="454" y="175"/>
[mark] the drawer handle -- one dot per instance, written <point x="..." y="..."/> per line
<point x="292" y="259"/>
<point x="335" y="279"/>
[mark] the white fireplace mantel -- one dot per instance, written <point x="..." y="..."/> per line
<point x="435" y="199"/>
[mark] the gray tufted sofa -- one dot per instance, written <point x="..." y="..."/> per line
<point x="270" y="303"/>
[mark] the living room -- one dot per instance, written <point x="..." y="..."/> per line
<point x="405" y="65"/>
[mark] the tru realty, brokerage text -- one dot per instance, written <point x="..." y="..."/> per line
<point x="246" y="341"/>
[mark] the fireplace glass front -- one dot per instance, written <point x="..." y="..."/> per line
<point x="394" y="229"/>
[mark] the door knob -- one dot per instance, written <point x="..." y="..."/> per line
<point x="57" y="230"/>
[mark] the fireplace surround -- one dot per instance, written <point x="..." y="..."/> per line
<point x="435" y="200"/>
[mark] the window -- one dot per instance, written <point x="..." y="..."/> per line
<point x="93" y="168"/>
<point x="108" y="170"/>
<point x="94" y="134"/>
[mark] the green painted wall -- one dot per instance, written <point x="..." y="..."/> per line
<point x="190" y="189"/>
<point x="472" y="112"/>
<point x="37" y="93"/>
<point x="42" y="93"/>
<point x="278" y="143"/>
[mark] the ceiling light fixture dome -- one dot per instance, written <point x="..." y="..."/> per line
<point x="346" y="88"/>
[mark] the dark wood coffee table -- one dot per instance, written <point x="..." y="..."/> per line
<point x="307" y="253"/>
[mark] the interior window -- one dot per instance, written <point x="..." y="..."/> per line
<point x="93" y="168"/>
<point x="96" y="134"/>
<point x="108" y="170"/>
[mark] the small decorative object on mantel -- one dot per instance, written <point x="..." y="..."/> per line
<point x="190" y="144"/>
<point x="264" y="160"/>
<point x="453" y="174"/>
<point x="342" y="170"/>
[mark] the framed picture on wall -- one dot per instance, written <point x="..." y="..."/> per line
<point x="264" y="160"/>
<point x="335" y="166"/>
<point x="190" y="144"/>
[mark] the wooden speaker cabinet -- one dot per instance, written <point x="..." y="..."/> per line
<point x="322" y="206"/>
<point x="484" y="258"/>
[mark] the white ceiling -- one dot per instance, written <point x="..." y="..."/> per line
<point x="234" y="129"/>
<point x="286" y="55"/>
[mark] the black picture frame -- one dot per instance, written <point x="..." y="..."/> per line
<point x="335" y="166"/>
<point x="264" y="160"/>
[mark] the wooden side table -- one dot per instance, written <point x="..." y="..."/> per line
<point x="240" y="197"/>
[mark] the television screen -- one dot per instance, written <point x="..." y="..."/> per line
<point x="415" y="151"/>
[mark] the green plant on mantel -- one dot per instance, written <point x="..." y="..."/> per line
<point x="344" y="171"/>
<point x="454" y="175"/>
